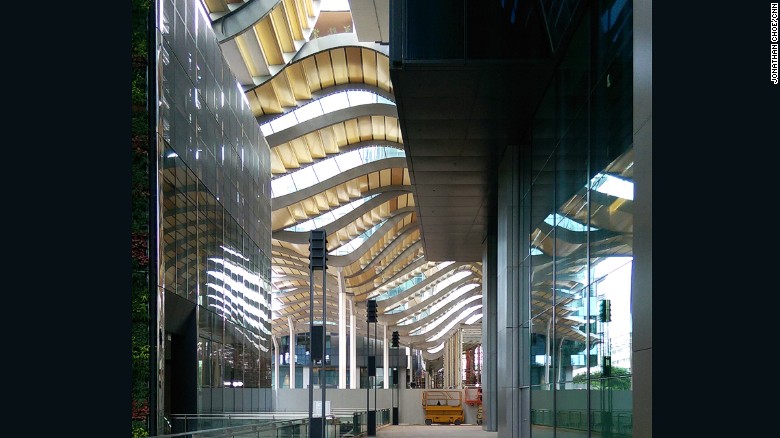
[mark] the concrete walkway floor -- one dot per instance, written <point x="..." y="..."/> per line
<point x="434" y="431"/>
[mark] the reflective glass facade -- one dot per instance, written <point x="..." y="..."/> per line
<point x="213" y="215"/>
<point x="565" y="244"/>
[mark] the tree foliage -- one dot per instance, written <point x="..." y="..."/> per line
<point x="619" y="378"/>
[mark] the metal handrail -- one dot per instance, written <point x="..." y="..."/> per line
<point x="230" y="430"/>
<point x="279" y="420"/>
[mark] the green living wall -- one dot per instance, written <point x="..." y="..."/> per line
<point x="139" y="258"/>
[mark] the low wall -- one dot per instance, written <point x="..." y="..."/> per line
<point x="409" y="402"/>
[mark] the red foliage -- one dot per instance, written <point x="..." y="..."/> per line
<point x="139" y="143"/>
<point x="140" y="412"/>
<point x="139" y="245"/>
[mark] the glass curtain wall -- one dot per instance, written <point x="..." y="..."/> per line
<point x="578" y="218"/>
<point x="213" y="197"/>
<point x="332" y="358"/>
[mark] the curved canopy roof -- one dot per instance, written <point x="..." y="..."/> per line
<point x="338" y="163"/>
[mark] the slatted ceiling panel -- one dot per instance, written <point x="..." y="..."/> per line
<point x="397" y="175"/>
<point x="325" y="68"/>
<point x="310" y="207"/>
<point x="214" y="6"/>
<point x="333" y="197"/>
<point x="298" y="212"/>
<point x="254" y="104"/>
<point x="265" y="34"/>
<point x="342" y="194"/>
<point x="297" y="80"/>
<point x="288" y="156"/>
<point x="300" y="14"/>
<point x="309" y="7"/>
<point x="301" y="154"/>
<point x="373" y="180"/>
<point x="365" y="129"/>
<point x="328" y="139"/>
<point x="339" y="133"/>
<point x="354" y="63"/>
<point x="282" y="28"/>
<point x="352" y="131"/>
<point x="283" y="90"/>
<point x="245" y="41"/>
<point x="315" y="147"/>
<point x="383" y="73"/>
<point x="268" y="100"/>
<point x="295" y="147"/>
<point x="377" y="128"/>
<point x="392" y="129"/>
<point x="363" y="182"/>
<point x="393" y="203"/>
<point x="292" y="20"/>
<point x="276" y="163"/>
<point x="369" y="66"/>
<point x="322" y="201"/>
<point x="338" y="59"/>
<point x="348" y="233"/>
<point x="309" y="66"/>
<point x="281" y="219"/>
<point x="353" y="189"/>
<point x="368" y="217"/>
<point x="407" y="180"/>
<point x="385" y="177"/>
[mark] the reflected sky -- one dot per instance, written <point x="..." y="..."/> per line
<point x="613" y="186"/>
<point x="404" y="286"/>
<point x="322" y="170"/>
<point x="456" y="320"/>
<point x="328" y="104"/>
<point x="441" y="304"/>
<point x="564" y="222"/>
<point x="428" y="292"/>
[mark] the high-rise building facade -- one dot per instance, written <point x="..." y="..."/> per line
<point x="210" y="208"/>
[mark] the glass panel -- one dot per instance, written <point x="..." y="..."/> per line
<point x="610" y="211"/>
<point x="334" y="102"/>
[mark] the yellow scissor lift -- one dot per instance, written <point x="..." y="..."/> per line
<point x="443" y="406"/>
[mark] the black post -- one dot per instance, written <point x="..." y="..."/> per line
<point x="396" y="379"/>
<point x="368" y="377"/>
<point x="375" y="378"/>
<point x="371" y="364"/>
<point x="317" y="261"/>
<point x="324" y="331"/>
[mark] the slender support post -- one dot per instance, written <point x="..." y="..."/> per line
<point x="324" y="331"/>
<point x="311" y="356"/>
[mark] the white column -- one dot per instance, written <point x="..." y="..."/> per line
<point x="386" y="357"/>
<point x="353" y="371"/>
<point x="446" y="361"/>
<point x="409" y="362"/>
<point x="342" y="333"/>
<point x="292" y="351"/>
<point x="275" y="383"/>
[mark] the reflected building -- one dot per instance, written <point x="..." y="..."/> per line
<point x="211" y="206"/>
